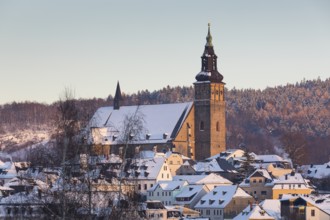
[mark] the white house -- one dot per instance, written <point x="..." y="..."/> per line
<point x="211" y="180"/>
<point x="146" y="172"/>
<point x="165" y="191"/>
<point x="190" y="195"/>
<point x="7" y="168"/>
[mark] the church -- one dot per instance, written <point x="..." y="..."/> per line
<point x="195" y="129"/>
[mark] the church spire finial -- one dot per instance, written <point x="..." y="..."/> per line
<point x="209" y="37"/>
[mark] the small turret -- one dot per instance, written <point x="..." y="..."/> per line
<point x="118" y="98"/>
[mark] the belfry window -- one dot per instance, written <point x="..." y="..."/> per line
<point x="217" y="126"/>
<point x="201" y="126"/>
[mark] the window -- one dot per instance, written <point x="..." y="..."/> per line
<point x="201" y="126"/>
<point x="145" y="186"/>
<point x="168" y="176"/>
<point x="151" y="185"/>
<point x="313" y="212"/>
<point x="207" y="212"/>
<point x="260" y="181"/>
<point x="157" y="193"/>
<point x="217" y="127"/>
<point x="139" y="187"/>
<point x="263" y="193"/>
<point x="169" y="193"/>
<point x="254" y="181"/>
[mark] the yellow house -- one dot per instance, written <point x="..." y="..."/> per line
<point x="278" y="171"/>
<point x="293" y="184"/>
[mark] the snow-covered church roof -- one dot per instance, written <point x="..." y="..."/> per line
<point x="160" y="122"/>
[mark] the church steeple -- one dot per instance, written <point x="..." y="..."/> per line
<point x="209" y="71"/>
<point x="118" y="98"/>
<point x="209" y="106"/>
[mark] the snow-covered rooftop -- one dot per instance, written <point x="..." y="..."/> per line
<point x="161" y="122"/>
<point x="255" y="213"/>
<point x="317" y="171"/>
<point x="207" y="166"/>
<point x="272" y="207"/>
<point x="169" y="185"/>
<point x="220" y="197"/>
<point x="190" y="191"/>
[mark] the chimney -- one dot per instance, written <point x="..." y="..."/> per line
<point x="165" y="135"/>
<point x="137" y="150"/>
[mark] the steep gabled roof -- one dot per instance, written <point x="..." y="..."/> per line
<point x="220" y="197"/>
<point x="161" y="122"/>
<point x="255" y="213"/>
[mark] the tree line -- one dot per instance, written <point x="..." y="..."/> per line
<point x="262" y="121"/>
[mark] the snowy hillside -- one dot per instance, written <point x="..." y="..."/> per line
<point x="13" y="142"/>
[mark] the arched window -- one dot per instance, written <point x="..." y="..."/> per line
<point x="201" y="126"/>
<point x="217" y="126"/>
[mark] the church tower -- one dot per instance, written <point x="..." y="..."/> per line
<point x="210" y="106"/>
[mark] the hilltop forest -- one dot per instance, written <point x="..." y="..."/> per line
<point x="263" y="121"/>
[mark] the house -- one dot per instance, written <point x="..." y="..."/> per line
<point x="7" y="168"/>
<point x="207" y="167"/>
<point x="157" y="211"/>
<point x="217" y="165"/>
<point x="274" y="159"/>
<point x="272" y="207"/>
<point x="175" y="161"/>
<point x="195" y="129"/>
<point x="306" y="207"/>
<point x="259" y="185"/>
<point x="254" y="212"/>
<point x="212" y="180"/>
<point x="146" y="172"/>
<point x="223" y="202"/>
<point x="165" y="191"/>
<point x="154" y="210"/>
<point x="317" y="171"/>
<point x="186" y="169"/>
<point x="190" y="195"/>
<point x="278" y="170"/>
<point x="293" y="184"/>
<point x="229" y="153"/>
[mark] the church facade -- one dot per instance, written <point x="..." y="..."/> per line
<point x="195" y="129"/>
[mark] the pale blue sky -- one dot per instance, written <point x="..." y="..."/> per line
<point x="46" y="46"/>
